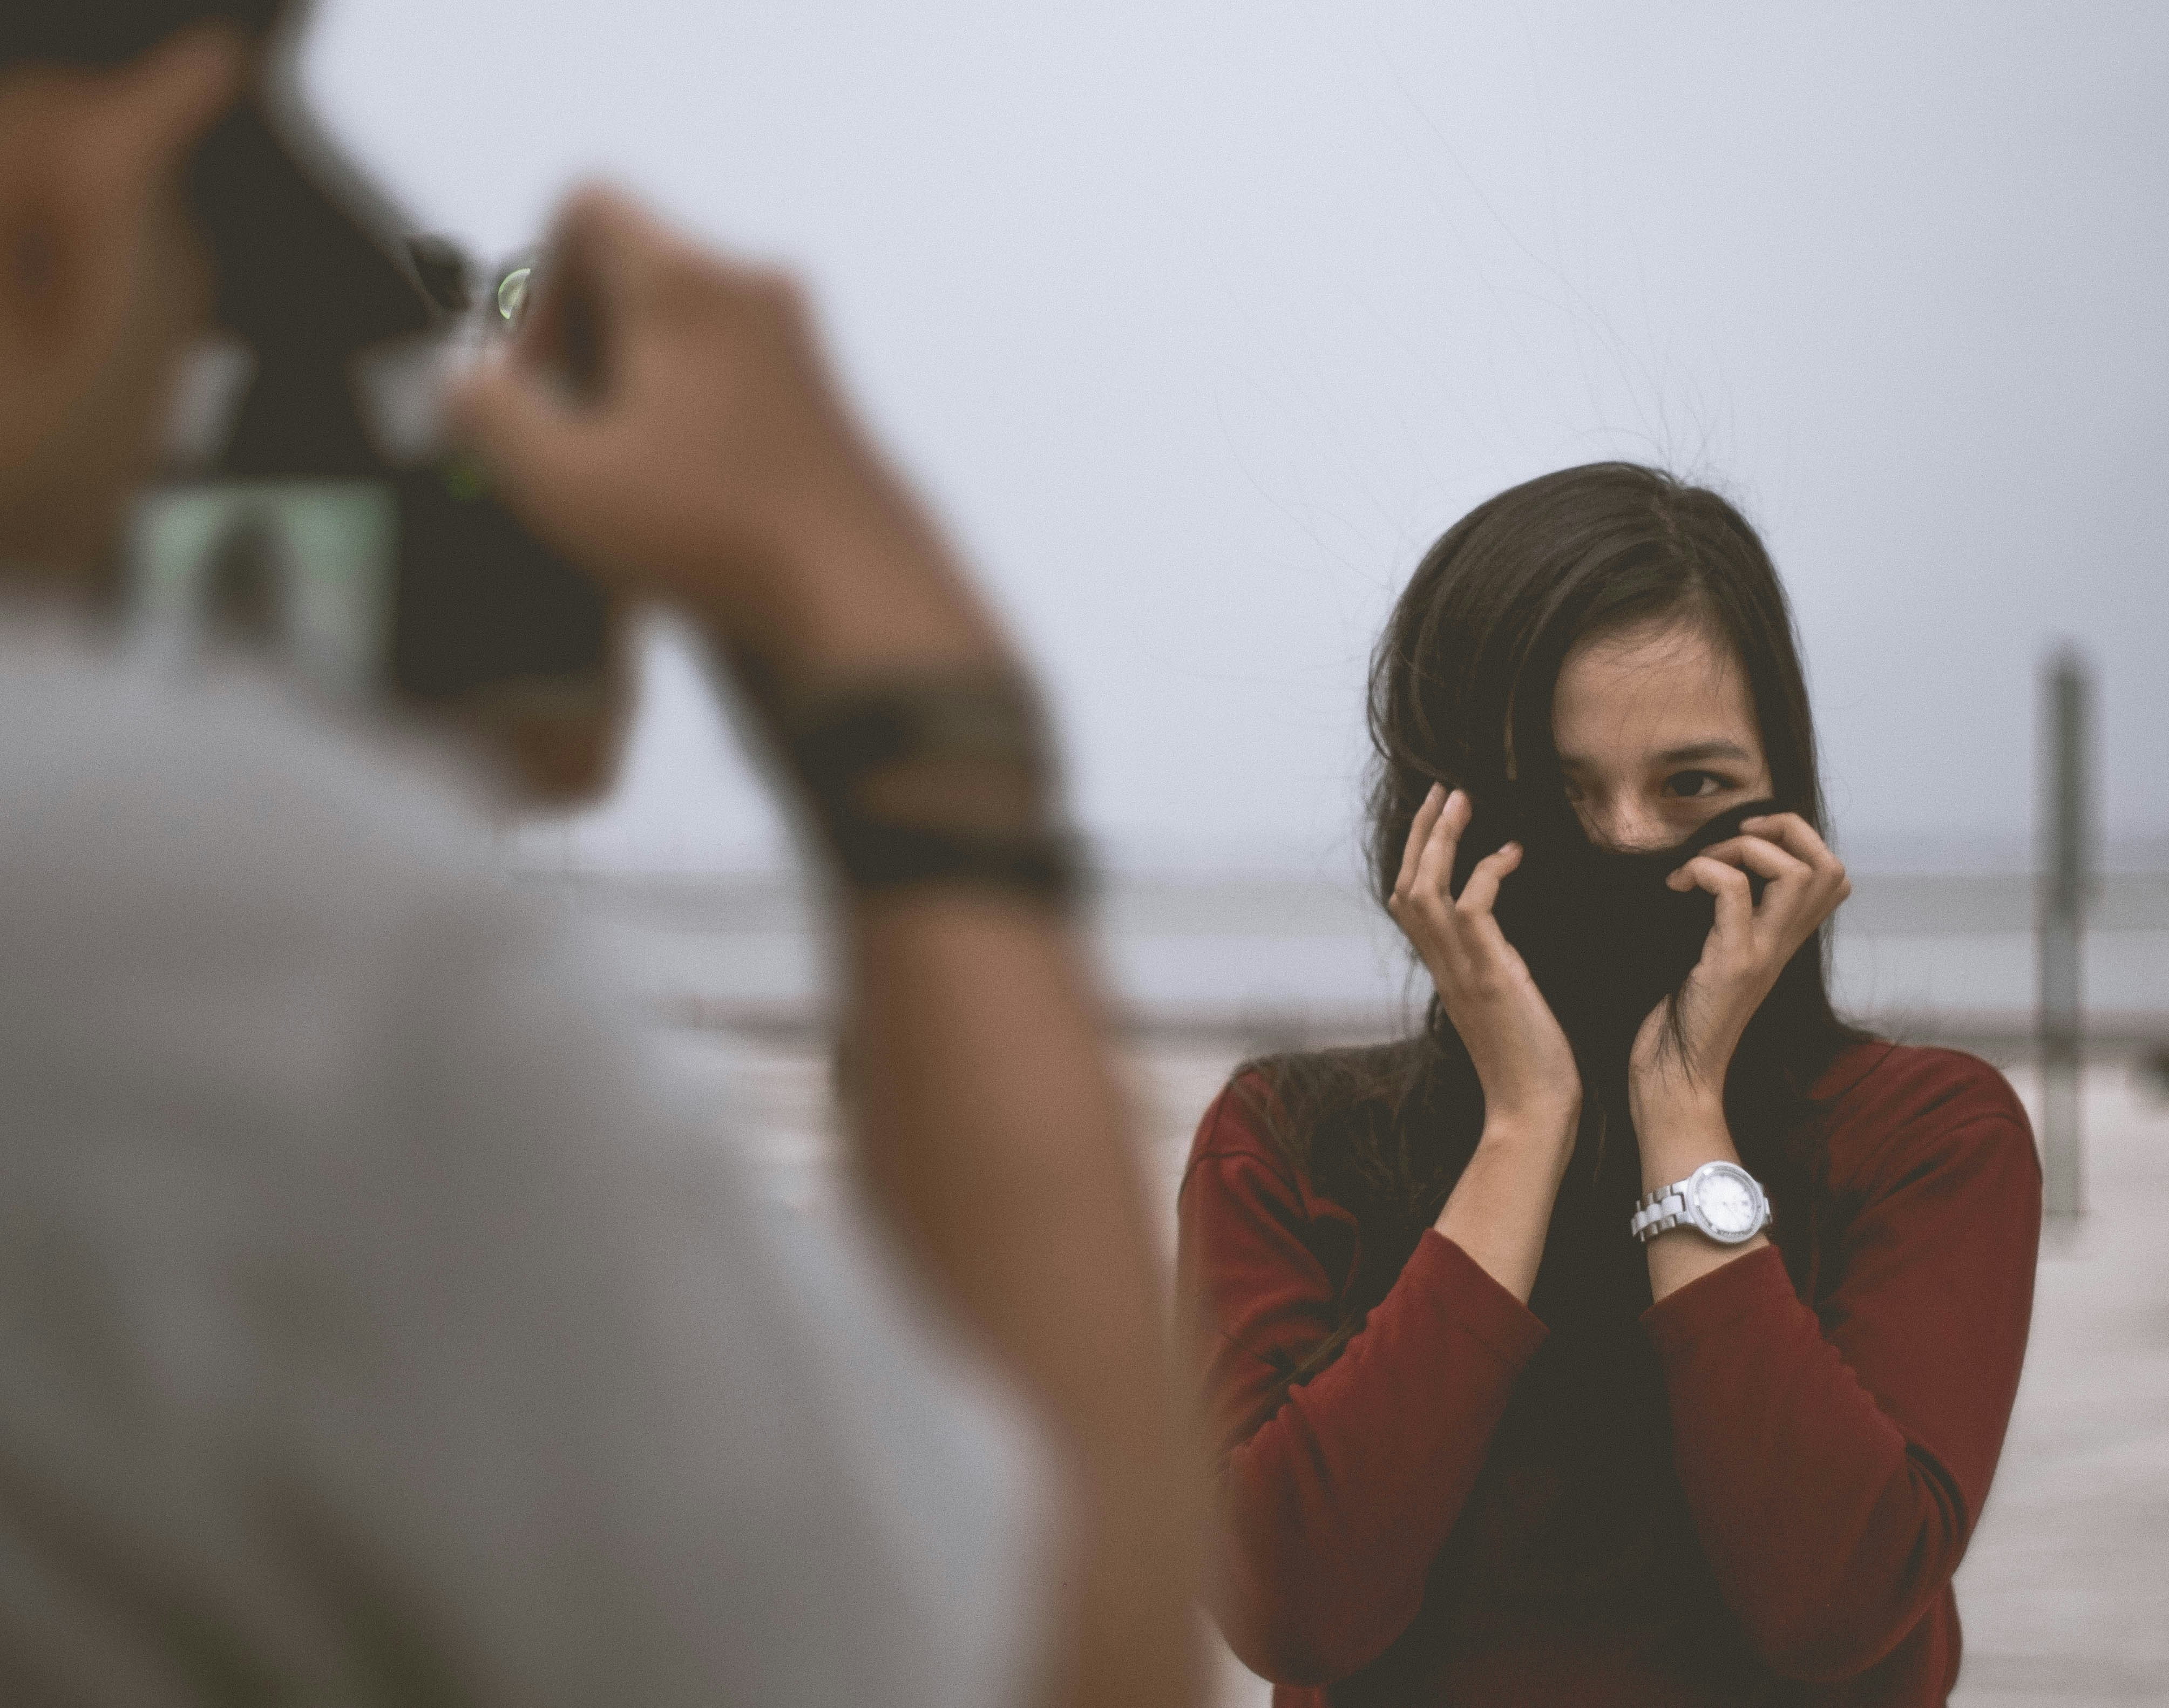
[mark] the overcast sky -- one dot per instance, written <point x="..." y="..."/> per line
<point x="1200" y="321"/>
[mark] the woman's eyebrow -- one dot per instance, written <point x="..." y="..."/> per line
<point x="1704" y="749"/>
<point x="1689" y="755"/>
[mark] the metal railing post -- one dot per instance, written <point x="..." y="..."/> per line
<point x="2067" y="859"/>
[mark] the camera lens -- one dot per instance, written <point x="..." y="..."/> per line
<point x="511" y="293"/>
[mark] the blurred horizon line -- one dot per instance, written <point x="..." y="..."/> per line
<point x="1303" y="957"/>
<point x="547" y="850"/>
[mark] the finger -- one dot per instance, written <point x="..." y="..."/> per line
<point x="1765" y="859"/>
<point x="524" y="432"/>
<point x="1435" y="866"/>
<point x="614" y="245"/>
<point x="1736" y="898"/>
<point x="1481" y="893"/>
<point x="1796" y="836"/>
<point x="1427" y="812"/>
<point x="606" y="265"/>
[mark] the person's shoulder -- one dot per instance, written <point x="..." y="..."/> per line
<point x="133" y="783"/>
<point x="1247" y="1170"/>
<point x="1894" y="1109"/>
<point x="1908" y="1082"/>
<point x="1275" y="1109"/>
<point x="1237" y="1121"/>
<point x="206" y="880"/>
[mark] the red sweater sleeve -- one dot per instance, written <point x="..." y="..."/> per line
<point x="1835" y="1459"/>
<point x="1334" y="1500"/>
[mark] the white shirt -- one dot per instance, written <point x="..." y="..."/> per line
<point x="376" y="1325"/>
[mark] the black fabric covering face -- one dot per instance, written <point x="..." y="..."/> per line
<point x="1605" y="938"/>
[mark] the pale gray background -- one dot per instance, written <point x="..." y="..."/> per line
<point x="1200" y="320"/>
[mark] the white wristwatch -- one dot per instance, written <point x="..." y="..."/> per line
<point x="1723" y="1199"/>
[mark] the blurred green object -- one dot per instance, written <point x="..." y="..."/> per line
<point x="511" y="293"/>
<point x="298" y="568"/>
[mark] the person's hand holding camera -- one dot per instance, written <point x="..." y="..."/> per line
<point x="664" y="417"/>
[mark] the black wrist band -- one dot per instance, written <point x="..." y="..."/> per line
<point x="839" y="744"/>
<point x="878" y="856"/>
<point x="984" y="716"/>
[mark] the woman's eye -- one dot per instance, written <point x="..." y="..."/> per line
<point x="1691" y="785"/>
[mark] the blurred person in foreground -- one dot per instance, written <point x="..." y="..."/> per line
<point x="376" y="1325"/>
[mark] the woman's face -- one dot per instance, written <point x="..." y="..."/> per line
<point x="1655" y="733"/>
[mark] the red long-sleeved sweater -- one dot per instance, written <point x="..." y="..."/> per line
<point x="1754" y="1491"/>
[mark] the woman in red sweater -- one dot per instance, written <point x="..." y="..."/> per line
<point x="1638" y="1332"/>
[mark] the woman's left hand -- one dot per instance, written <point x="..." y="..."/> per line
<point x="1746" y="949"/>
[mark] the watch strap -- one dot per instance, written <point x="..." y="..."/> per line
<point x="1660" y="1211"/>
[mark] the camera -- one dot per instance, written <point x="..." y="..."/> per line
<point x="315" y="513"/>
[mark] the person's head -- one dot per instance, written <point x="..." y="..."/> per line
<point x="104" y="283"/>
<point x="118" y="250"/>
<point x="1605" y="636"/>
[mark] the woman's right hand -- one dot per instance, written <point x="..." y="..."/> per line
<point x="1523" y="1059"/>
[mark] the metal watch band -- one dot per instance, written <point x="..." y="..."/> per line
<point x="1669" y="1207"/>
<point x="1659" y="1211"/>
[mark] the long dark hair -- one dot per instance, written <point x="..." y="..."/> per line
<point x="1461" y="694"/>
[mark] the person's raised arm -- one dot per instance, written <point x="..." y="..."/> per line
<point x="701" y="457"/>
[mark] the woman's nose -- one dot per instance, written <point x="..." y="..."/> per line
<point x="1627" y="826"/>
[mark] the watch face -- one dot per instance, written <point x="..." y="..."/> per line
<point x="1727" y="1202"/>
